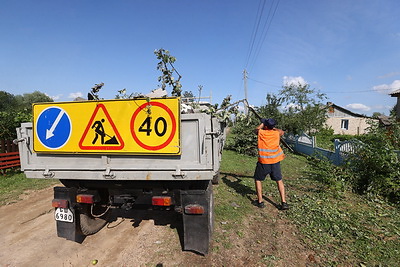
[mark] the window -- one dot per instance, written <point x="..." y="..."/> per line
<point x="345" y="124"/>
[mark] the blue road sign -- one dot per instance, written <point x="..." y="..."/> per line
<point x="53" y="127"/>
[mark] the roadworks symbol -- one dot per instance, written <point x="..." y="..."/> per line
<point x="101" y="132"/>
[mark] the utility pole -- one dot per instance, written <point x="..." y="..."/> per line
<point x="246" y="111"/>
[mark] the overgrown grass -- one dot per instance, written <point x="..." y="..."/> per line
<point x="345" y="228"/>
<point x="13" y="184"/>
<point x="341" y="227"/>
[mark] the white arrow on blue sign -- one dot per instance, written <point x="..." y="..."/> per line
<point x="53" y="127"/>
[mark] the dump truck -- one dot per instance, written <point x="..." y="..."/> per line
<point x="129" y="154"/>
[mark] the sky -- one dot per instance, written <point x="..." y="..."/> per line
<point x="349" y="50"/>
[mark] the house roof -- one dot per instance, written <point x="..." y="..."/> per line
<point x="330" y="104"/>
<point x="384" y="120"/>
<point x="395" y="93"/>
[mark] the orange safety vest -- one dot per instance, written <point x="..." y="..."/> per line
<point x="269" y="151"/>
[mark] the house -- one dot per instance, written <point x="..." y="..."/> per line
<point x="397" y="107"/>
<point x="343" y="121"/>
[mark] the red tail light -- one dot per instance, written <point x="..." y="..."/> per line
<point x="88" y="199"/>
<point x="161" y="201"/>
<point x="194" y="209"/>
<point x="60" y="203"/>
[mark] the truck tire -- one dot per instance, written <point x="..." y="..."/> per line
<point x="215" y="179"/>
<point x="91" y="225"/>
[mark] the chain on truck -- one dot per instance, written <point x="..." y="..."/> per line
<point x="115" y="155"/>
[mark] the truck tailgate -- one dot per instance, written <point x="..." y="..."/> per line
<point x="201" y="142"/>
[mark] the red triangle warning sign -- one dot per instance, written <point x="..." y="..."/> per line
<point x="101" y="133"/>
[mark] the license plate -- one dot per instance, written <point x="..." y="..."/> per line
<point x="64" y="215"/>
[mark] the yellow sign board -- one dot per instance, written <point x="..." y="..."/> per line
<point x="134" y="126"/>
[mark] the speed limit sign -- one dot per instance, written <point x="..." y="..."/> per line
<point x="154" y="127"/>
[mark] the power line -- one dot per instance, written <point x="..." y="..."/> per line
<point x="266" y="27"/>
<point x="273" y="85"/>
<point x="255" y="30"/>
<point x="363" y="91"/>
<point x="335" y="92"/>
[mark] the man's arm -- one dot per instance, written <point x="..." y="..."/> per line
<point x="258" y="128"/>
<point x="281" y="132"/>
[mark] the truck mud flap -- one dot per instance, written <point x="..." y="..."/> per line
<point x="70" y="231"/>
<point x="197" y="228"/>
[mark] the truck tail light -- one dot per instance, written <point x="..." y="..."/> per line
<point x="84" y="198"/>
<point x="161" y="201"/>
<point x="60" y="203"/>
<point x="194" y="209"/>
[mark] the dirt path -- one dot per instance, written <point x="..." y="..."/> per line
<point x="28" y="238"/>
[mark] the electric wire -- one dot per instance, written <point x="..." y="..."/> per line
<point x="266" y="28"/>
<point x="336" y="92"/>
<point x="255" y="30"/>
<point x="259" y="34"/>
<point x="273" y="85"/>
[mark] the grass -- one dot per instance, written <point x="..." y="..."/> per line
<point x="345" y="228"/>
<point x="342" y="228"/>
<point x="13" y="184"/>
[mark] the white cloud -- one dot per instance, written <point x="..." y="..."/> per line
<point x="292" y="106"/>
<point x="387" y="88"/>
<point x="358" y="107"/>
<point x="75" y="95"/>
<point x="55" y="98"/>
<point x="289" y="80"/>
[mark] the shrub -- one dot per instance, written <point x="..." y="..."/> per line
<point x="242" y="139"/>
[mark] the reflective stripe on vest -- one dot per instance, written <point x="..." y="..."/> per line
<point x="270" y="157"/>
<point x="269" y="151"/>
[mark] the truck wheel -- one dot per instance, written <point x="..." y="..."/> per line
<point x="91" y="225"/>
<point x="215" y="179"/>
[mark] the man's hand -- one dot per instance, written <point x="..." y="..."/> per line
<point x="280" y="132"/>
<point x="258" y="128"/>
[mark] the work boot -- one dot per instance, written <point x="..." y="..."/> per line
<point x="284" y="206"/>
<point x="261" y="205"/>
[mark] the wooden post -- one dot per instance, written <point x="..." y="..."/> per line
<point x="2" y="146"/>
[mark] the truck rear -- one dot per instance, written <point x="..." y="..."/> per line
<point x="125" y="154"/>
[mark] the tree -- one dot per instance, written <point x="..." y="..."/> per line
<point x="7" y="101"/>
<point x="24" y="102"/>
<point x="271" y="109"/>
<point x="375" y="165"/>
<point x="304" y="110"/>
<point x="393" y="111"/>
<point x="242" y="138"/>
<point x="376" y="114"/>
<point x="9" y="121"/>
<point x="17" y="109"/>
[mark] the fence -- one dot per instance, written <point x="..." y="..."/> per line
<point x="306" y="145"/>
<point x="7" y="146"/>
<point x="9" y="155"/>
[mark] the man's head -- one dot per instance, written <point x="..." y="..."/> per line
<point x="269" y="123"/>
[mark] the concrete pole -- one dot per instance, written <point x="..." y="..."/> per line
<point x="246" y="110"/>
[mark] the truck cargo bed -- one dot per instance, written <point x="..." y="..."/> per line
<point x="201" y="142"/>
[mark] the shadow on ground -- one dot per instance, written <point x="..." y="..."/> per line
<point x="244" y="190"/>
<point x="160" y="217"/>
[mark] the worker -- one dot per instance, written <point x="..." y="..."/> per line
<point x="270" y="154"/>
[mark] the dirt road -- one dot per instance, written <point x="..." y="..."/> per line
<point x="28" y="238"/>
